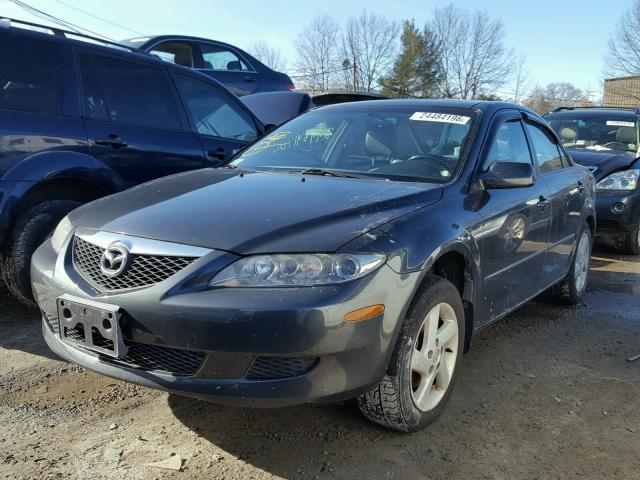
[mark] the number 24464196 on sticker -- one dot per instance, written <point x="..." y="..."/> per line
<point x="440" y="117"/>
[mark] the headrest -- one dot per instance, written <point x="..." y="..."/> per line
<point x="568" y="133"/>
<point x="234" y="65"/>
<point x="378" y="142"/>
<point x="626" y="135"/>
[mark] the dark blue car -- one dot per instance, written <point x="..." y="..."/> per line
<point x="239" y="71"/>
<point x="81" y="120"/>
<point x="351" y="253"/>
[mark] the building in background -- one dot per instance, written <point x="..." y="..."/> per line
<point x="622" y="92"/>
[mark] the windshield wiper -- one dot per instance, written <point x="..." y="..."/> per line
<point x="322" y="172"/>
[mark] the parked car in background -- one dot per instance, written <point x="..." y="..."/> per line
<point x="231" y="66"/>
<point x="81" y="118"/>
<point x="350" y="253"/>
<point x="607" y="141"/>
<point x="275" y="108"/>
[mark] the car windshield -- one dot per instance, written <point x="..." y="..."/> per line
<point x="597" y="132"/>
<point x="409" y="143"/>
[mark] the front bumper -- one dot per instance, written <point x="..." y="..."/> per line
<point x="232" y="330"/>
<point x="617" y="212"/>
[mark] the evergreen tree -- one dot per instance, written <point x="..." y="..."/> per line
<point x="416" y="70"/>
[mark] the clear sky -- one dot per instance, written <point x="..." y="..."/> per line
<point x="561" y="40"/>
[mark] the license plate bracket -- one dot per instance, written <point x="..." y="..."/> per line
<point x="91" y="325"/>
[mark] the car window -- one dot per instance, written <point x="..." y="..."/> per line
<point x="217" y="57"/>
<point x="546" y="150"/>
<point x="508" y="145"/>
<point x="127" y="92"/>
<point x="179" y="53"/>
<point x="213" y="113"/>
<point x="409" y="143"/>
<point x="600" y="131"/>
<point x="30" y="76"/>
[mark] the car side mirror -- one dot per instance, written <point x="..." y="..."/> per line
<point x="508" y="175"/>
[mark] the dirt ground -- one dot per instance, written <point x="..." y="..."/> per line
<point x="546" y="393"/>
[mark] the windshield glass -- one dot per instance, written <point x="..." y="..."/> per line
<point x="597" y="132"/>
<point x="416" y="143"/>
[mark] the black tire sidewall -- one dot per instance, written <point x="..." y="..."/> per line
<point x="441" y="291"/>
<point x="574" y="294"/>
<point x="30" y="231"/>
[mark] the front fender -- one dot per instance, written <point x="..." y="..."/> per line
<point x="46" y="166"/>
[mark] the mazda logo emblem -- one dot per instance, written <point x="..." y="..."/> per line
<point x="114" y="260"/>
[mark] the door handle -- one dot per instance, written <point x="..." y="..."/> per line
<point x="112" y="141"/>
<point x="220" y="153"/>
<point x="249" y="79"/>
<point x="543" y="202"/>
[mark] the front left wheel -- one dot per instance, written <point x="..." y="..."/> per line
<point x="424" y="364"/>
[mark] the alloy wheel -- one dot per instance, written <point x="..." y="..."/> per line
<point x="433" y="357"/>
<point x="582" y="262"/>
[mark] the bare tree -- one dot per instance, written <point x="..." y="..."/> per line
<point x="271" y="57"/>
<point x="521" y="83"/>
<point x="370" y="42"/>
<point x="623" y="55"/>
<point x="554" y="95"/>
<point x="474" y="58"/>
<point x="317" y="61"/>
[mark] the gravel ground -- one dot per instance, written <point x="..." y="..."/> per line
<point x="546" y="393"/>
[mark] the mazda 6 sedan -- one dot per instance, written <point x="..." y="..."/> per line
<point x="350" y="253"/>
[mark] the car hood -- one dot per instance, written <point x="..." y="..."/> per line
<point x="602" y="163"/>
<point x="253" y="212"/>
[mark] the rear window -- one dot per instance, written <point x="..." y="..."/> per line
<point x="30" y="75"/>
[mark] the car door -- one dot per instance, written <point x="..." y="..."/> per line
<point x="228" y="66"/>
<point x="132" y="118"/>
<point x="221" y="122"/>
<point x="514" y="234"/>
<point x="566" y="196"/>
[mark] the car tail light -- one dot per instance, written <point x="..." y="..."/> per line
<point x="291" y="86"/>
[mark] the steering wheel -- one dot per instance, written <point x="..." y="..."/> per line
<point x="429" y="157"/>
<point x="611" y="144"/>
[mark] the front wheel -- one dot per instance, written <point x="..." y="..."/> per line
<point x="424" y="364"/>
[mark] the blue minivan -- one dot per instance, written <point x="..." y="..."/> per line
<point x="81" y="118"/>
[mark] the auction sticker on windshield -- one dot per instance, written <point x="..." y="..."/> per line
<point x="440" y="117"/>
<point x="619" y="123"/>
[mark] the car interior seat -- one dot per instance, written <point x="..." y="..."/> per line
<point x="626" y="135"/>
<point x="568" y="136"/>
<point x="234" y="65"/>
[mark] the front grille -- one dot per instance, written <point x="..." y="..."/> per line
<point x="607" y="225"/>
<point x="143" y="271"/>
<point x="271" y="368"/>
<point x="159" y="359"/>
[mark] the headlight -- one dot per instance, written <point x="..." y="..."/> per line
<point x="627" y="180"/>
<point x="60" y="234"/>
<point x="297" y="270"/>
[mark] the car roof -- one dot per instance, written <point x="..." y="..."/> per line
<point x="485" y="106"/>
<point x="144" y="40"/>
<point x="111" y="48"/>
<point x="591" y="112"/>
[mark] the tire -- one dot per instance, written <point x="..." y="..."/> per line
<point x="571" y="289"/>
<point x="393" y="403"/>
<point x="631" y="243"/>
<point x="30" y="231"/>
